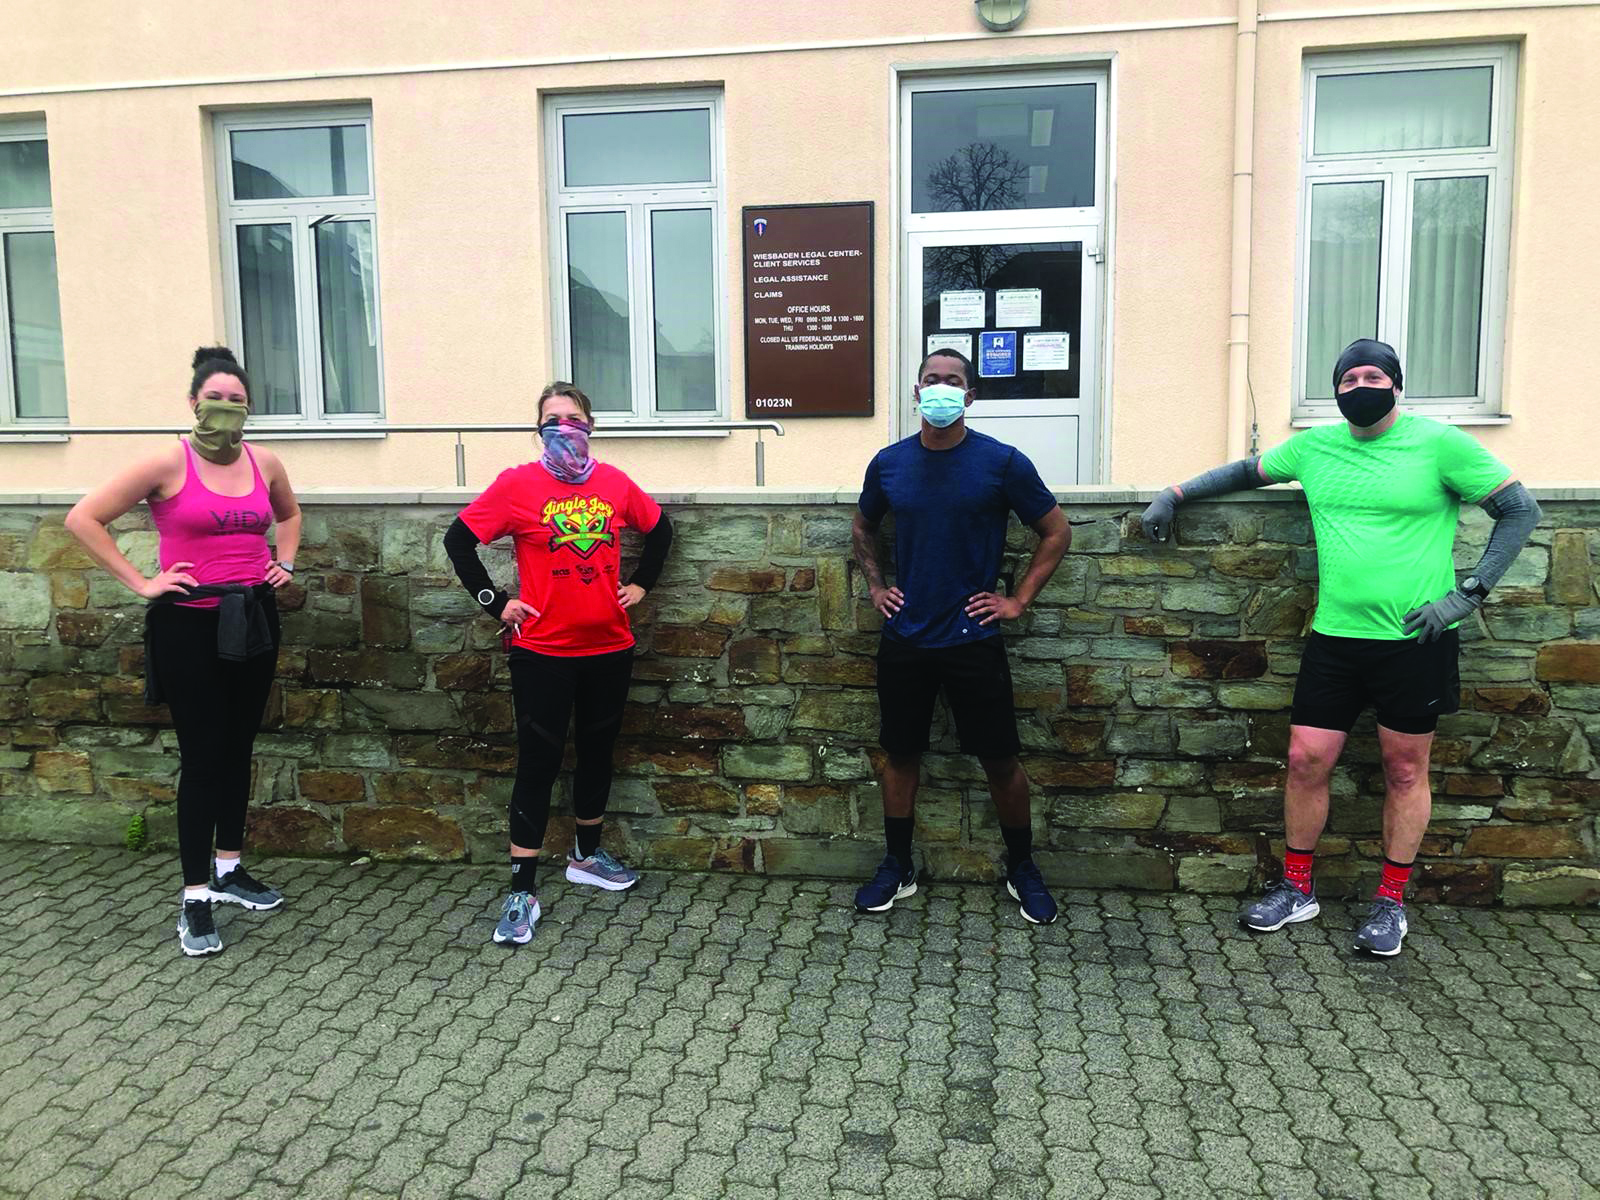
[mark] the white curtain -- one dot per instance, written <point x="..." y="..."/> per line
<point x="267" y="312"/>
<point x="25" y="174"/>
<point x="683" y="280"/>
<point x="347" y="298"/>
<point x="1378" y="111"/>
<point x="35" y="333"/>
<point x="598" y="310"/>
<point x="1446" y="298"/>
<point x="1346" y="230"/>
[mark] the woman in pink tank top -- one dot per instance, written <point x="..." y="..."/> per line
<point x="211" y="631"/>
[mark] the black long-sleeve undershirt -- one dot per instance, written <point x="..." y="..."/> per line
<point x="654" y="554"/>
<point x="461" y="544"/>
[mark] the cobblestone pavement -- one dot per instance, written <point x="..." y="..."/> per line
<point x="732" y="1037"/>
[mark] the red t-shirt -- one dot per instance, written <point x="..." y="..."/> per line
<point x="566" y="537"/>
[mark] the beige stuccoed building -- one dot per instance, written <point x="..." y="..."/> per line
<point x="1154" y="225"/>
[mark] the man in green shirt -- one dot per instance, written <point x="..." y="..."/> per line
<point x="1384" y="488"/>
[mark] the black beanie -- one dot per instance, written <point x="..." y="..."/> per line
<point x="1365" y="352"/>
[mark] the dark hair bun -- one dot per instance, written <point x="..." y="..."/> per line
<point x="212" y="354"/>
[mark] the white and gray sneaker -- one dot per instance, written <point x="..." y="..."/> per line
<point x="1385" y="928"/>
<point x="1283" y="904"/>
<point x="197" y="934"/>
<point x="600" y="870"/>
<point x="238" y="886"/>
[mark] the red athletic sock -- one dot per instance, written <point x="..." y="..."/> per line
<point x="1297" y="868"/>
<point x="1395" y="877"/>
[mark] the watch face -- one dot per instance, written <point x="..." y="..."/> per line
<point x="486" y="596"/>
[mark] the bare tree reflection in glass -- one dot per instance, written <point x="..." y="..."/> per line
<point x="981" y="176"/>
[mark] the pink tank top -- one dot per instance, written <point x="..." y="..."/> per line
<point x="225" y="537"/>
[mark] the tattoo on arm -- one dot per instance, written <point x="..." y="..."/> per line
<point x="865" y="538"/>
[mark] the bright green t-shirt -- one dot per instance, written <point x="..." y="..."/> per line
<point x="1385" y="514"/>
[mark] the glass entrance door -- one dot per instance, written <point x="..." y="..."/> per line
<point x="1020" y="303"/>
<point x="1003" y="198"/>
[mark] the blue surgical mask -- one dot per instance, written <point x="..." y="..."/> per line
<point x="941" y="405"/>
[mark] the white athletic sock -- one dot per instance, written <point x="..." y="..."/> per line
<point x="224" y="865"/>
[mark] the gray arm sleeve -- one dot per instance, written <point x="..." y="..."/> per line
<point x="1515" y="514"/>
<point x="1219" y="481"/>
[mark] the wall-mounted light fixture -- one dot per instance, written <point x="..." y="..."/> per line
<point x="1000" y="15"/>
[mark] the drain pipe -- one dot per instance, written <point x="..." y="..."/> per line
<point x="1243" y="436"/>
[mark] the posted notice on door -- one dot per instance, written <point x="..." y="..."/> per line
<point x="1046" y="351"/>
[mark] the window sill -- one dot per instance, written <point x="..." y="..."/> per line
<point x="17" y="434"/>
<point x="310" y="433"/>
<point x="656" y="431"/>
<point x="1446" y="418"/>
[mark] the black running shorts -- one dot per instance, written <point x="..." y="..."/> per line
<point x="976" y="679"/>
<point x="1411" y="685"/>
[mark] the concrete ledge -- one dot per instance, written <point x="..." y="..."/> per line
<point x="776" y="497"/>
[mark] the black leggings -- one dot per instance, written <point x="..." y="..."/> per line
<point x="216" y="708"/>
<point x="547" y="690"/>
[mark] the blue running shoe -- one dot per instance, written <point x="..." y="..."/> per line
<point x="518" y="915"/>
<point x="889" y="884"/>
<point x="1026" y="886"/>
<point x="1384" y="930"/>
<point x="1284" y="904"/>
<point x="601" y="871"/>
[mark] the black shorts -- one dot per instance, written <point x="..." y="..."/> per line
<point x="976" y="679"/>
<point x="1411" y="685"/>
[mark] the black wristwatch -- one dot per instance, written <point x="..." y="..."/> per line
<point x="492" y="601"/>
<point x="1473" y="586"/>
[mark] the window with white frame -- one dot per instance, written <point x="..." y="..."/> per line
<point x="1406" y="221"/>
<point x="637" y="248"/>
<point x="300" y="254"/>
<point x="33" y="377"/>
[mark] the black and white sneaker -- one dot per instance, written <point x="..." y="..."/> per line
<point x="197" y="934"/>
<point x="238" y="886"/>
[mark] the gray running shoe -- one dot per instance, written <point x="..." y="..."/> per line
<point x="1284" y="904"/>
<point x="601" y="871"/>
<point x="197" y="934"/>
<point x="238" y="886"/>
<point x="1384" y="929"/>
<point x="517" y="918"/>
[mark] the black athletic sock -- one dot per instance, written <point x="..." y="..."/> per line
<point x="1019" y="845"/>
<point x="522" y="870"/>
<point x="589" y="839"/>
<point x="897" y="833"/>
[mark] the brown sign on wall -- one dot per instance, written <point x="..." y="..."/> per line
<point x="808" y="310"/>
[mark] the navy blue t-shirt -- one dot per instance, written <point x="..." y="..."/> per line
<point x="950" y="510"/>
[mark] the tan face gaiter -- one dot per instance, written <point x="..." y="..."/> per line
<point x="218" y="430"/>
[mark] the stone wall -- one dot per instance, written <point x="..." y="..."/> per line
<point x="1153" y="686"/>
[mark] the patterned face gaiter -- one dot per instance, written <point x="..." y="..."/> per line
<point x="566" y="449"/>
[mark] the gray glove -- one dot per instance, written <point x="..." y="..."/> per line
<point x="1433" y="619"/>
<point x="1219" y="481"/>
<point x="1157" y="519"/>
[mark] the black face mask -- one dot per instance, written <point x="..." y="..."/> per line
<point x="1365" y="406"/>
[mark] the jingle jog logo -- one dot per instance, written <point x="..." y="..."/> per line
<point x="580" y="523"/>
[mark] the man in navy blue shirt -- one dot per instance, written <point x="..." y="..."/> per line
<point x="951" y="490"/>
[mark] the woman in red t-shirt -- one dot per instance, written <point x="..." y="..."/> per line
<point x="571" y="646"/>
